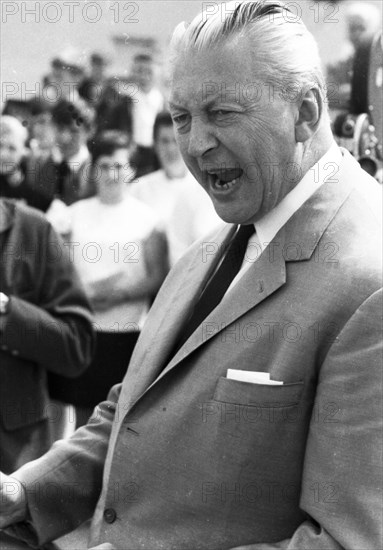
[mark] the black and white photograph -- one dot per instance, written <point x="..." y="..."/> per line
<point x="191" y="315"/>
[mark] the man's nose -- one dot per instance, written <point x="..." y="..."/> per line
<point x="201" y="138"/>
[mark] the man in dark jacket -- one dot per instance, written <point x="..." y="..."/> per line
<point x="45" y="325"/>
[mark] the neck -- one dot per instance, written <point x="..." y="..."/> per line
<point x="110" y="199"/>
<point x="315" y="148"/>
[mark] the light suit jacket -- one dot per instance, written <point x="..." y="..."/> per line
<point x="193" y="460"/>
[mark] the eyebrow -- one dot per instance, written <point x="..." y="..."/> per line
<point x="174" y="105"/>
<point x="215" y="99"/>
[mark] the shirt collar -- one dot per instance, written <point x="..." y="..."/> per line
<point x="267" y="227"/>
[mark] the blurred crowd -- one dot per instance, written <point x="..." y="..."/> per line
<point x="97" y="156"/>
<point x="46" y="145"/>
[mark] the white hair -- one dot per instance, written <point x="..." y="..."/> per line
<point x="12" y="125"/>
<point x="284" y="50"/>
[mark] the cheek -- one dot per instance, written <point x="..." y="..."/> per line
<point x="183" y="148"/>
<point x="194" y="170"/>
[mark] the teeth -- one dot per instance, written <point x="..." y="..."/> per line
<point x="218" y="184"/>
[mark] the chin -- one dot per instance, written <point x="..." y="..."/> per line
<point x="230" y="217"/>
<point x="239" y="218"/>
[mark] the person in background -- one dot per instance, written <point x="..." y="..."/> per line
<point x="45" y="325"/>
<point x="362" y="22"/>
<point x="65" y="77"/>
<point x="185" y="211"/>
<point x="121" y="258"/>
<point x="42" y="135"/>
<point x="73" y="126"/>
<point x="64" y="177"/>
<point x="147" y="103"/>
<point x="15" y="165"/>
<point x="114" y="109"/>
<point x="92" y="86"/>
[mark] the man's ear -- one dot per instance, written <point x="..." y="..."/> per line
<point x="309" y="114"/>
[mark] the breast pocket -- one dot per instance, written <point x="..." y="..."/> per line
<point x="257" y="395"/>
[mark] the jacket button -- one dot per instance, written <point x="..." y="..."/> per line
<point x="110" y="515"/>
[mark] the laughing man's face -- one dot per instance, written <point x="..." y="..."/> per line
<point x="235" y="134"/>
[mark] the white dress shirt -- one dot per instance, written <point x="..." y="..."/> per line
<point x="267" y="227"/>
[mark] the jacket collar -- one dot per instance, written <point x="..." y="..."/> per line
<point x="169" y="315"/>
<point x="296" y="241"/>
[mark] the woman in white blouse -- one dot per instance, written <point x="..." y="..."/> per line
<point x="122" y="260"/>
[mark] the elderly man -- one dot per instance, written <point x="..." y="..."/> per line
<point x="250" y="414"/>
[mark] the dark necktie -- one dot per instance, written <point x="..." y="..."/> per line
<point x="219" y="282"/>
<point x="63" y="171"/>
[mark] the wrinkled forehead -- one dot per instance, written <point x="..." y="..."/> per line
<point x="200" y="75"/>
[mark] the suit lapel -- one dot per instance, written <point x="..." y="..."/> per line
<point x="171" y="312"/>
<point x="260" y="281"/>
<point x="304" y="230"/>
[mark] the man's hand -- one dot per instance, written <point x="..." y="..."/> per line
<point x="13" y="503"/>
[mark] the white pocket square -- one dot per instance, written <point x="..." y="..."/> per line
<point x="253" y="377"/>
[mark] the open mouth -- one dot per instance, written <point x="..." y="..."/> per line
<point x="225" y="179"/>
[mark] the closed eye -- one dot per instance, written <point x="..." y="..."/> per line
<point x="222" y="112"/>
<point x="179" y="118"/>
<point x="223" y="116"/>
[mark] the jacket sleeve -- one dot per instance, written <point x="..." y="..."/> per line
<point x="63" y="486"/>
<point x="342" y="481"/>
<point x="52" y="326"/>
